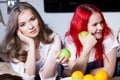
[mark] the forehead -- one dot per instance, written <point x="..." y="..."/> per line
<point x="95" y="17"/>
<point x="25" y="14"/>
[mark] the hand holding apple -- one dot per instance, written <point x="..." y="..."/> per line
<point x="83" y="34"/>
<point x="64" y="53"/>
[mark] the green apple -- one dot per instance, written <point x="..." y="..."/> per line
<point x="77" y="79"/>
<point x="84" y="34"/>
<point x="64" y="53"/>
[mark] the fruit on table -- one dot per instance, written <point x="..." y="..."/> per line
<point x="83" y="34"/>
<point x="64" y="53"/>
<point x="77" y="75"/>
<point x="89" y="77"/>
<point x="101" y="75"/>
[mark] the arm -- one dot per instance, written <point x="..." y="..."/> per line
<point x="111" y="51"/>
<point x="109" y="65"/>
<point x="50" y="66"/>
<point x="80" y="62"/>
<point x="30" y="63"/>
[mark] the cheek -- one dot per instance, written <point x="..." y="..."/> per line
<point x="91" y="30"/>
<point x="38" y="28"/>
<point x="22" y="31"/>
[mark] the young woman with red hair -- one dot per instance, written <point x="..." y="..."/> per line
<point x="97" y="50"/>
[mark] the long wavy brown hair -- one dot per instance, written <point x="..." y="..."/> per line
<point x="11" y="46"/>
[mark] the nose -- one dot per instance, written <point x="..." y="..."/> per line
<point x="100" y="26"/>
<point x="30" y="26"/>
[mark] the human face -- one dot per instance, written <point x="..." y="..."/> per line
<point x="28" y="23"/>
<point x="95" y="25"/>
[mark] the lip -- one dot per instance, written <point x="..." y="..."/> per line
<point x="33" y="31"/>
<point x="100" y="33"/>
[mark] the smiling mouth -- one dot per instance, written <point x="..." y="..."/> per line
<point x="100" y="33"/>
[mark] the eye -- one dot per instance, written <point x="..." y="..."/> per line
<point x="33" y="18"/>
<point x="95" y="24"/>
<point x="101" y="22"/>
<point x="22" y="24"/>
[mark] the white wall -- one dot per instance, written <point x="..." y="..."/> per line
<point x="59" y="22"/>
<point x="3" y="8"/>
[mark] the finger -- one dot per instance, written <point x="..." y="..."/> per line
<point x="80" y="38"/>
<point x="65" y="60"/>
<point x="18" y="32"/>
<point x="59" y="60"/>
<point x="65" y="64"/>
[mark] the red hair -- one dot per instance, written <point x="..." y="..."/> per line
<point x="79" y="23"/>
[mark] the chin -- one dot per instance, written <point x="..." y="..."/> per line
<point x="98" y="37"/>
<point x="33" y="36"/>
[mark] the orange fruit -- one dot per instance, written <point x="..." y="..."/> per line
<point x="77" y="75"/>
<point x="88" y="77"/>
<point x="101" y="75"/>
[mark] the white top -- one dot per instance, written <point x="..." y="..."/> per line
<point x="46" y="52"/>
<point x="109" y="44"/>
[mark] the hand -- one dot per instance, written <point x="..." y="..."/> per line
<point x="88" y="42"/>
<point x="63" y="60"/>
<point x="24" y="38"/>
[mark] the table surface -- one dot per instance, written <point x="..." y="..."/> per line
<point x="115" y="78"/>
